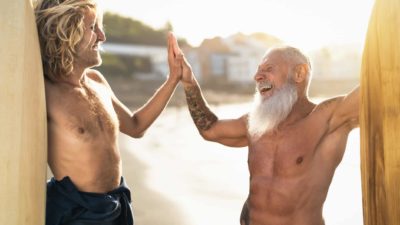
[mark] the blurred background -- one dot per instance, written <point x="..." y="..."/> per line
<point x="176" y="177"/>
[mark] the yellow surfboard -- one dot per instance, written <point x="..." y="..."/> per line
<point x="380" y="116"/>
<point x="23" y="132"/>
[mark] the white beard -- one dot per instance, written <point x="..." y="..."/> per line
<point x="267" y="114"/>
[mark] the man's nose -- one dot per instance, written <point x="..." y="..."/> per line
<point x="101" y="36"/>
<point x="259" y="76"/>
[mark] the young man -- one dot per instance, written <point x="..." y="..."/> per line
<point x="84" y="116"/>
<point x="294" y="145"/>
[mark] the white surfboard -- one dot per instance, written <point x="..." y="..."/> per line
<point x="380" y="116"/>
<point x="23" y="132"/>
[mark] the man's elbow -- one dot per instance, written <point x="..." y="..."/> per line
<point x="138" y="135"/>
<point x="207" y="135"/>
<point x="137" y="130"/>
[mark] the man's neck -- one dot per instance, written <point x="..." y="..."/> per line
<point x="300" y="109"/>
<point x="76" y="77"/>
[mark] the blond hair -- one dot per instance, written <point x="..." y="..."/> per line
<point x="60" y="27"/>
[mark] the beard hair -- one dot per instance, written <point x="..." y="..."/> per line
<point x="267" y="114"/>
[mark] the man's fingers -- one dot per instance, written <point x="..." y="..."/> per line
<point x="175" y="46"/>
<point x="169" y="45"/>
<point x="179" y="60"/>
<point x="185" y="62"/>
<point x="179" y="57"/>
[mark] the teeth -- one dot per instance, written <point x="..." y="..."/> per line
<point x="264" y="87"/>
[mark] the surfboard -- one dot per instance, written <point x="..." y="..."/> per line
<point x="380" y="116"/>
<point x="23" y="132"/>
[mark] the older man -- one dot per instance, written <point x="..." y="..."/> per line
<point x="84" y="117"/>
<point x="294" y="145"/>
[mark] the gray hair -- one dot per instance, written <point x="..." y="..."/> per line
<point x="293" y="57"/>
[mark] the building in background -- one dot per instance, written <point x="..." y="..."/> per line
<point x="248" y="51"/>
<point x="233" y="59"/>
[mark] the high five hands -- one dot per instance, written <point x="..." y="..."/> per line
<point x="179" y="68"/>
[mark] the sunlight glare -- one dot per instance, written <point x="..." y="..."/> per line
<point x="306" y="24"/>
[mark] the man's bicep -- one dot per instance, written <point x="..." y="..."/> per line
<point x="232" y="132"/>
<point x="124" y="115"/>
<point x="346" y="111"/>
<point x="235" y="142"/>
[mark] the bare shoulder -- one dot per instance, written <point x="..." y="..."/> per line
<point x="321" y="113"/>
<point x="242" y="122"/>
<point x="341" y="111"/>
<point x="100" y="80"/>
<point x="328" y="106"/>
<point x="95" y="75"/>
<point x="244" y="119"/>
<point x="330" y="103"/>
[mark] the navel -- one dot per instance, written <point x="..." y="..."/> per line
<point x="299" y="160"/>
<point x="81" y="130"/>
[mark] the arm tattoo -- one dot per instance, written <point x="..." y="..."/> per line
<point x="201" y="114"/>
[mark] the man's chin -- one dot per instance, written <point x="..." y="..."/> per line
<point x="97" y="63"/>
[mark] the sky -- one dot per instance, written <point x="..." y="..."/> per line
<point x="306" y="24"/>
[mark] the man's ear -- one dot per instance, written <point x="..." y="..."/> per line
<point x="301" y="72"/>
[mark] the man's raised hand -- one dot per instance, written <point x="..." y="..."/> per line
<point x="175" y="58"/>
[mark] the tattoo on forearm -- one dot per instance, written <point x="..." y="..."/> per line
<point x="201" y="114"/>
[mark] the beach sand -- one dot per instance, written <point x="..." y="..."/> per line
<point x="150" y="207"/>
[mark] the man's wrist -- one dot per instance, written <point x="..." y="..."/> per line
<point x="188" y="84"/>
<point x="172" y="79"/>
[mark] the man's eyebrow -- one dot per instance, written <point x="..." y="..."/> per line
<point x="264" y="66"/>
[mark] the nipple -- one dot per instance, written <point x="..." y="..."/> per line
<point x="299" y="160"/>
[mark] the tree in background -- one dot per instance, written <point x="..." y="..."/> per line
<point x="126" y="30"/>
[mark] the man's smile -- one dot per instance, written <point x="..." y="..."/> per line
<point x="264" y="87"/>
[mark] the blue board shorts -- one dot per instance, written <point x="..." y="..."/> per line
<point x="65" y="205"/>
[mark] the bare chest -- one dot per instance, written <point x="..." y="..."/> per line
<point x="86" y="113"/>
<point x="285" y="154"/>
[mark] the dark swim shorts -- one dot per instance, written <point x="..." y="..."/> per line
<point x="67" y="206"/>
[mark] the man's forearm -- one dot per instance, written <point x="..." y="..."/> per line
<point x="148" y="113"/>
<point x="201" y="114"/>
